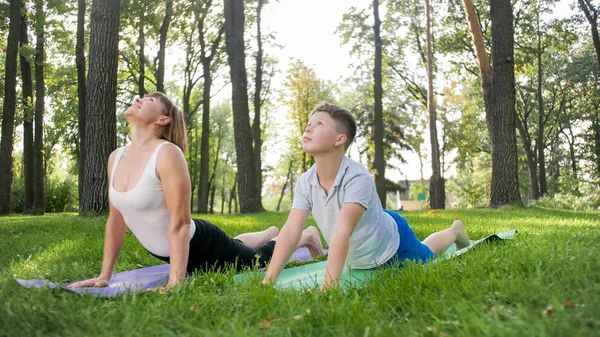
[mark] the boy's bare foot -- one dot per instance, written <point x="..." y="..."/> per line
<point x="313" y="241"/>
<point x="462" y="238"/>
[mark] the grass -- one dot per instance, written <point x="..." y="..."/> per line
<point x="544" y="283"/>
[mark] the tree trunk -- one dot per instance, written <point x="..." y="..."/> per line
<point x="437" y="195"/>
<point x="39" y="167"/>
<point x="232" y="197"/>
<point x="482" y="58"/>
<point x="28" y="110"/>
<point x="213" y="176"/>
<point x="379" y="162"/>
<point x="204" y="144"/>
<point x="257" y="133"/>
<point x="223" y="195"/>
<point x="531" y="163"/>
<point x="249" y="193"/>
<point x="162" y="45"/>
<point x="206" y="60"/>
<point x="502" y="114"/>
<point x="193" y="173"/>
<point x="591" y="14"/>
<point x="81" y="92"/>
<point x="287" y="179"/>
<point x="541" y="145"/>
<point x="571" y="141"/>
<point x="9" y="106"/>
<point x="596" y="127"/>
<point x="141" y="58"/>
<point x="101" y="104"/>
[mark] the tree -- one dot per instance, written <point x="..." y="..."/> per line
<point x="208" y="51"/>
<point x="501" y="117"/>
<point x="40" y="94"/>
<point x="591" y="14"/>
<point x="498" y="84"/>
<point x="9" y="106"/>
<point x="437" y="195"/>
<point x="258" y="98"/>
<point x="27" y="92"/>
<point x="164" y="29"/>
<point x="249" y="194"/>
<point x="379" y="163"/>
<point x="100" y="104"/>
<point x="81" y="91"/>
<point x="303" y="91"/>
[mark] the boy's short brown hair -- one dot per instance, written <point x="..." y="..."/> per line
<point x="344" y="121"/>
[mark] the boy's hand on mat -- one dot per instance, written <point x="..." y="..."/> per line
<point x="96" y="282"/>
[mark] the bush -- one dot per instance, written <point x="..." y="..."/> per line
<point x="17" y="195"/>
<point x="60" y="195"/>
<point x="569" y="201"/>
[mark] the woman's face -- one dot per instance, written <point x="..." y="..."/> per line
<point x="148" y="109"/>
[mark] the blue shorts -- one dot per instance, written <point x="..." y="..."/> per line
<point x="410" y="247"/>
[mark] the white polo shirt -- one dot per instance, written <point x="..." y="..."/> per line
<point x="375" y="238"/>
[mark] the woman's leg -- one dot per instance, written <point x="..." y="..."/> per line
<point x="255" y="239"/>
<point x="311" y="239"/>
<point x="440" y="241"/>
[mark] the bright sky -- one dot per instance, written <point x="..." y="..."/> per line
<point x="306" y="29"/>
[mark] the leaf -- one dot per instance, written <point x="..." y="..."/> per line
<point x="432" y="330"/>
<point x="549" y="311"/>
<point x="297" y="317"/>
<point x="569" y="303"/>
<point x="266" y="324"/>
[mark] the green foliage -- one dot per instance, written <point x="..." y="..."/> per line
<point x="418" y="188"/>
<point x="569" y="201"/>
<point x="60" y="194"/>
<point x="471" y="186"/>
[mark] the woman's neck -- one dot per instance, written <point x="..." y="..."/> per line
<point x="140" y="138"/>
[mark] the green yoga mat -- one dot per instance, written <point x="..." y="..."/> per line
<point x="312" y="275"/>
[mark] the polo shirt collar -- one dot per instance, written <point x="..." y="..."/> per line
<point x="313" y="179"/>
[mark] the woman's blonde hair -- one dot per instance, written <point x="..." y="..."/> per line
<point x="175" y="132"/>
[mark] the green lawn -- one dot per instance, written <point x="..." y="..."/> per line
<point x="544" y="283"/>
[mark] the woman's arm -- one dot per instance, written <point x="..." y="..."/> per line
<point x="175" y="179"/>
<point x="113" y="241"/>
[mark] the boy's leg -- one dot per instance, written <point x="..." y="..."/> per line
<point x="255" y="239"/>
<point x="440" y="241"/>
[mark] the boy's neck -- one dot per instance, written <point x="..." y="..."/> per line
<point x="328" y="166"/>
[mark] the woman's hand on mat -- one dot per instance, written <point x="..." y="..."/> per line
<point x="96" y="282"/>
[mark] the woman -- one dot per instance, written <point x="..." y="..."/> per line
<point x="149" y="193"/>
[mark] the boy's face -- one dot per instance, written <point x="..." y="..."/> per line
<point x="320" y="134"/>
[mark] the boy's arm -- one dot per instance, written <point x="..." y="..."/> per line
<point x="286" y="243"/>
<point x="347" y="220"/>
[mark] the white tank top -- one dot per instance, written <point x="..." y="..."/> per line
<point x="144" y="208"/>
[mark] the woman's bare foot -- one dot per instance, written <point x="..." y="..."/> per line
<point x="312" y="241"/>
<point x="462" y="238"/>
<point x="271" y="233"/>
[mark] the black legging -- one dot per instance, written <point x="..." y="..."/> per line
<point x="212" y="249"/>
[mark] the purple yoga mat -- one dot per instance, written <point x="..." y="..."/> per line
<point x="135" y="280"/>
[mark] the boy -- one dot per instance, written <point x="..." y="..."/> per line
<point x="342" y="197"/>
